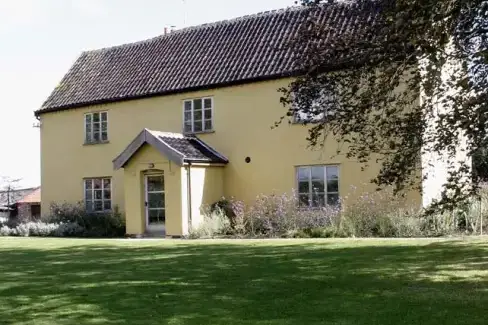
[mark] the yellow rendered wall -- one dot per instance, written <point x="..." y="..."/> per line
<point x="207" y="187"/>
<point x="134" y="186"/>
<point x="243" y="116"/>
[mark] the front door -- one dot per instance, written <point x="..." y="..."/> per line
<point x="155" y="203"/>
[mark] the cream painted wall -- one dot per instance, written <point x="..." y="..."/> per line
<point x="243" y="116"/>
<point x="134" y="184"/>
<point x="207" y="187"/>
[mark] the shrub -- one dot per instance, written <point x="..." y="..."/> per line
<point x="5" y="231"/>
<point x="41" y="229"/>
<point x="216" y="222"/>
<point x="110" y="224"/>
<point x="71" y="229"/>
<point x="233" y="210"/>
<point x="277" y="215"/>
<point x="22" y="230"/>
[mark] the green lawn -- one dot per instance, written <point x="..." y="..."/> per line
<point x="62" y="281"/>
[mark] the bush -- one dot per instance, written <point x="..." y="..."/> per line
<point x="41" y="229"/>
<point x="101" y="225"/>
<point x="277" y="215"/>
<point x="232" y="210"/>
<point x="71" y="229"/>
<point x="378" y="214"/>
<point x="67" y="220"/>
<point x="216" y="222"/>
<point x="6" y="231"/>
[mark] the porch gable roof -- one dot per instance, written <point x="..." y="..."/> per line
<point x="179" y="148"/>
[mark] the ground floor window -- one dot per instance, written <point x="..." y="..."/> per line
<point x="98" y="194"/>
<point x="318" y="186"/>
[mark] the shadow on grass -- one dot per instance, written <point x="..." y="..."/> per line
<point x="205" y="283"/>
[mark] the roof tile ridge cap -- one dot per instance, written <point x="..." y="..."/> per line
<point x="195" y="27"/>
<point x="240" y="18"/>
<point x="173" y="135"/>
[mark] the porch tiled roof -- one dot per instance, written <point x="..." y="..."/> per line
<point x="236" y="51"/>
<point x="179" y="148"/>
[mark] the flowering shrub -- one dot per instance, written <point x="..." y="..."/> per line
<point x="377" y="214"/>
<point x="215" y="223"/>
<point x="67" y="220"/>
<point x="6" y="231"/>
<point x="41" y="229"/>
<point x="277" y="215"/>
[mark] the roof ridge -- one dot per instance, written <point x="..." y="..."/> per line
<point x="237" y="51"/>
<point x="197" y="27"/>
<point x="22" y="189"/>
<point x="166" y="134"/>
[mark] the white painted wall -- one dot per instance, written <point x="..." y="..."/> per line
<point x="436" y="166"/>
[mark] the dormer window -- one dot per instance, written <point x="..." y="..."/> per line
<point x="198" y="115"/>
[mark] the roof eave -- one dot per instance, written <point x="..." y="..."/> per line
<point x="145" y="137"/>
<point x="48" y="109"/>
<point x="187" y="161"/>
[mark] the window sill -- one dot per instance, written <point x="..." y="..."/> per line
<point x="99" y="212"/>
<point x="200" y="132"/>
<point x="95" y="143"/>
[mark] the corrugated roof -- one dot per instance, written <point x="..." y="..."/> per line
<point x="229" y="52"/>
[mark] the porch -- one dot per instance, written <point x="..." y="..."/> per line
<point x="169" y="179"/>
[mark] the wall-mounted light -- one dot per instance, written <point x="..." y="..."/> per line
<point x="151" y="166"/>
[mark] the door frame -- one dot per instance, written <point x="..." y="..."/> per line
<point x="146" y="196"/>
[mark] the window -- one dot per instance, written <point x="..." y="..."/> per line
<point x="318" y="110"/>
<point x="98" y="194"/>
<point x="318" y="186"/>
<point x="198" y="115"/>
<point x="96" y="127"/>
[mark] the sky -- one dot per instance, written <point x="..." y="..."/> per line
<point x="41" y="39"/>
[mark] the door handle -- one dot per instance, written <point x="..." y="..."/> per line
<point x="145" y="203"/>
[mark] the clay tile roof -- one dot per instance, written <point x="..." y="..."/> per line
<point x="241" y="50"/>
<point x="26" y="195"/>
<point x="176" y="147"/>
<point x="33" y="197"/>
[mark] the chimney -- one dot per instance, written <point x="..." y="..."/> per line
<point x="169" y="30"/>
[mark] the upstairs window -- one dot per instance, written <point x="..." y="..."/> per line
<point x="198" y="115"/>
<point x="96" y="127"/>
<point x="318" y="186"/>
<point x="315" y="110"/>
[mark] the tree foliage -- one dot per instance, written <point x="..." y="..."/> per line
<point x="405" y="79"/>
<point x="8" y="194"/>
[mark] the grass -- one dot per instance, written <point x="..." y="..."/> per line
<point x="63" y="281"/>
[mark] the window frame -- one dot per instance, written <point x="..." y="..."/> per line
<point x="103" y="200"/>
<point x="327" y="114"/>
<point x="310" y="188"/>
<point x="92" y="141"/>
<point x="192" y="100"/>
